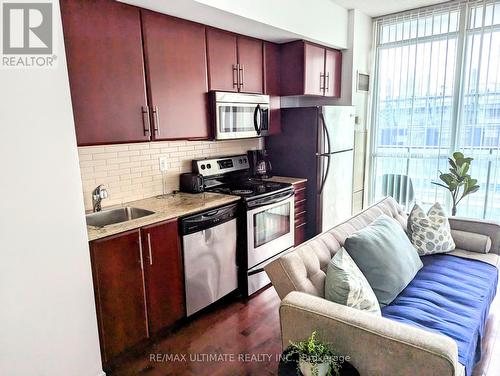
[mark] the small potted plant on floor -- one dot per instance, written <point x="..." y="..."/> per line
<point x="458" y="181"/>
<point x="315" y="357"/>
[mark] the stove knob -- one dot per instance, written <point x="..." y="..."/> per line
<point x="202" y="166"/>
<point x="209" y="165"/>
<point x="241" y="161"/>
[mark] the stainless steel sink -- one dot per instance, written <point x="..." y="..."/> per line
<point x="109" y="217"/>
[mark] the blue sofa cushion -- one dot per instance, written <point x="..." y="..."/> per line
<point x="452" y="296"/>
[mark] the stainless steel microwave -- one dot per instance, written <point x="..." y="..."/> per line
<point x="238" y="115"/>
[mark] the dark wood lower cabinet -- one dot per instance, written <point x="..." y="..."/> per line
<point x="164" y="275"/>
<point x="300" y="213"/>
<point x="119" y="292"/>
<point x="138" y="285"/>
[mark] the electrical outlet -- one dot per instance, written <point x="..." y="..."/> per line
<point x="163" y="164"/>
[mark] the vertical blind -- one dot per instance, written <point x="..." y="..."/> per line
<point x="436" y="90"/>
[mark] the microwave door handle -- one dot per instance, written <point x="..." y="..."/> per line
<point x="256" y="124"/>
<point x="261" y="113"/>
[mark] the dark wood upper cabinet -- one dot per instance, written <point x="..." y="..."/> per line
<point x="119" y="290"/>
<point x="235" y="62"/>
<point x="222" y="60"/>
<point x="310" y="70"/>
<point x="272" y="85"/>
<point x="314" y="60"/>
<point x="164" y="275"/>
<point x="176" y="65"/>
<point x="106" y="71"/>
<point x="250" y="61"/>
<point x="333" y="72"/>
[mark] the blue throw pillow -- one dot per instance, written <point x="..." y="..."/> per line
<point x="385" y="256"/>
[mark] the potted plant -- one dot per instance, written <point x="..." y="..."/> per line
<point x="457" y="181"/>
<point x="315" y="357"/>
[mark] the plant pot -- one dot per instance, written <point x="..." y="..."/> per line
<point x="309" y="369"/>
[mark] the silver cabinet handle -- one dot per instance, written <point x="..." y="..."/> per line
<point x="145" y="120"/>
<point x="327" y="82"/>
<point x="235" y="76"/>
<point x="140" y="252"/>
<point x="156" y="113"/>
<point x="321" y="81"/>
<point x="240" y="75"/>
<point x="150" y="250"/>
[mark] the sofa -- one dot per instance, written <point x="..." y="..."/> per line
<point x="376" y="345"/>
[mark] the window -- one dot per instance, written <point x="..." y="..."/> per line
<point x="437" y="90"/>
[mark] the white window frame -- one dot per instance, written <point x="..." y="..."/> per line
<point x="458" y="94"/>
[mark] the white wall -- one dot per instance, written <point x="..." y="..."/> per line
<point x="362" y="53"/>
<point x="47" y="313"/>
<point x="320" y="21"/>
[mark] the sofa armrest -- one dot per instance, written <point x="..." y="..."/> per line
<point x="479" y="226"/>
<point x="375" y="345"/>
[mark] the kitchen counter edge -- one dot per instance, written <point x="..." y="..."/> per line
<point x="173" y="206"/>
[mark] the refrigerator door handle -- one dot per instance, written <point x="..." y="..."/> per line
<point x="325" y="176"/>
<point x="325" y="129"/>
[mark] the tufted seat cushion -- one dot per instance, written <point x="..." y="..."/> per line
<point x="304" y="269"/>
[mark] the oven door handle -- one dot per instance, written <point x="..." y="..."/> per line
<point x="270" y="202"/>
<point x="256" y="271"/>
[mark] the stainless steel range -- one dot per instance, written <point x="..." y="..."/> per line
<point x="265" y="230"/>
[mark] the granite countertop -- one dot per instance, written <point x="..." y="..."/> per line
<point x="284" y="179"/>
<point x="168" y="207"/>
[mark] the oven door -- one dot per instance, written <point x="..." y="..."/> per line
<point x="270" y="230"/>
<point x="241" y="120"/>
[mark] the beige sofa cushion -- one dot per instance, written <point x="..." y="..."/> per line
<point x="471" y="241"/>
<point x="489" y="258"/>
<point x="304" y="269"/>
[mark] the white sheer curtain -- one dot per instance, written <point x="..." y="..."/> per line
<point x="436" y="91"/>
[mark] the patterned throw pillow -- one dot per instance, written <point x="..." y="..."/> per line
<point x="345" y="284"/>
<point x="430" y="233"/>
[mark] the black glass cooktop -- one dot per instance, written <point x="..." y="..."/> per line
<point x="250" y="188"/>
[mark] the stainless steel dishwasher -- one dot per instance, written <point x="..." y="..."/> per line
<point x="209" y="249"/>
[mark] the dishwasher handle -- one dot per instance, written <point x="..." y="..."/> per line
<point x="208" y="219"/>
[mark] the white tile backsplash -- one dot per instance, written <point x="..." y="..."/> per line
<point x="131" y="171"/>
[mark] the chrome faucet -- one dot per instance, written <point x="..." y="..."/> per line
<point x="98" y="194"/>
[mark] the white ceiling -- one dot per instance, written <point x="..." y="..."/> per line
<point x="375" y="8"/>
<point x="263" y="19"/>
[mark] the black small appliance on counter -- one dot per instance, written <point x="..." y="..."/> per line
<point x="260" y="164"/>
<point x="191" y="183"/>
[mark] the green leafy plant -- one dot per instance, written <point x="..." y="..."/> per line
<point x="458" y="181"/>
<point x="315" y="352"/>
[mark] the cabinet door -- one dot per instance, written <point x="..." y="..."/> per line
<point x="272" y="84"/>
<point x="222" y="60"/>
<point x="251" y="65"/>
<point x="176" y="63"/>
<point x="164" y="274"/>
<point x="314" y="60"/>
<point x="119" y="291"/>
<point x="333" y="73"/>
<point x="106" y="71"/>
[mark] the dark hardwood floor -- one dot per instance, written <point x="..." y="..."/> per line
<point x="233" y="327"/>
<point x="237" y="327"/>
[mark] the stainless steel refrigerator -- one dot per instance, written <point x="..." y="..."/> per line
<point x="317" y="143"/>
